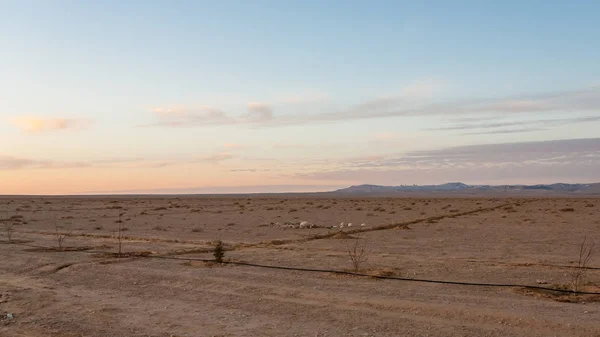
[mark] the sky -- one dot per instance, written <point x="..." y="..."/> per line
<point x="284" y="96"/>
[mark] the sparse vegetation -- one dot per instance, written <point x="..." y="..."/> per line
<point x="219" y="251"/>
<point x="579" y="271"/>
<point x="61" y="235"/>
<point x="358" y="252"/>
<point x="119" y="234"/>
<point x="8" y="226"/>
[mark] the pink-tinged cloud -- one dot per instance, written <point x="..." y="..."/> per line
<point x="31" y="124"/>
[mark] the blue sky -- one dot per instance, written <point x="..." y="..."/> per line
<point x="131" y="95"/>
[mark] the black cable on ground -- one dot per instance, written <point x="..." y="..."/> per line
<point x="340" y="272"/>
<point x="331" y="271"/>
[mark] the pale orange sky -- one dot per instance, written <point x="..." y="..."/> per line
<point x="124" y="96"/>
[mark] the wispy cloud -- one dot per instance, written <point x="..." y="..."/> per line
<point x="503" y="131"/>
<point x="533" y="125"/>
<point x="205" y="115"/>
<point x="257" y="113"/>
<point x="571" y="159"/>
<point x="32" y="124"/>
<point x="18" y="163"/>
<point x="410" y="102"/>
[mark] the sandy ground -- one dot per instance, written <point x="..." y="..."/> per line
<point x="87" y="293"/>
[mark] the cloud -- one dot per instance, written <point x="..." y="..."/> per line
<point x="503" y="131"/>
<point x="568" y="160"/>
<point x="228" y="189"/>
<point x="212" y="158"/>
<point x="181" y="116"/>
<point x="205" y="115"/>
<point x="412" y="101"/>
<point x="16" y="163"/>
<point x="534" y="125"/>
<point x="31" y="124"/>
<point x="258" y="112"/>
<point x="584" y="100"/>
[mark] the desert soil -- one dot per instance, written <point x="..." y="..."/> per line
<point x="157" y="288"/>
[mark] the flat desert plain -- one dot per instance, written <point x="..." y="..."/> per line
<point x="159" y="285"/>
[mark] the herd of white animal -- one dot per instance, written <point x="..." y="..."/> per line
<point x="307" y="224"/>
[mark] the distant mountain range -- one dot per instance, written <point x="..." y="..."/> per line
<point x="461" y="188"/>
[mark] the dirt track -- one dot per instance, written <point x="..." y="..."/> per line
<point x="79" y="293"/>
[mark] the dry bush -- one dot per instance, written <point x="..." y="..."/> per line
<point x="119" y="235"/>
<point x="8" y="226"/>
<point x="219" y="251"/>
<point x="358" y="252"/>
<point x="568" y="209"/>
<point x="578" y="272"/>
<point x="61" y="235"/>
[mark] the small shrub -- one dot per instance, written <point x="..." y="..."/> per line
<point x="358" y="252"/>
<point x="578" y="272"/>
<point x="61" y="235"/>
<point x="219" y="251"/>
<point x="568" y="209"/>
<point x="9" y="228"/>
